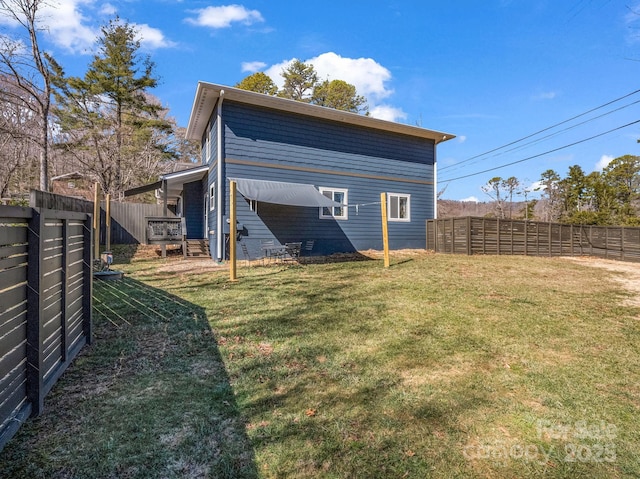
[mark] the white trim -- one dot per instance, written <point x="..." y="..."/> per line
<point x="435" y="185"/>
<point x="389" y="209"/>
<point x="220" y="177"/>
<point x="345" y="202"/>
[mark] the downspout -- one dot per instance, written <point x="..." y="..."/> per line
<point x="220" y="183"/>
<point x="435" y="176"/>
<point x="435" y="181"/>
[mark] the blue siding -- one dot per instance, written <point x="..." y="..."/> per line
<point x="258" y="132"/>
<point x="288" y="146"/>
<point x="193" y="214"/>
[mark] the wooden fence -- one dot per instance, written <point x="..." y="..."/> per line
<point x="45" y="305"/>
<point x="128" y="223"/>
<point x="472" y="235"/>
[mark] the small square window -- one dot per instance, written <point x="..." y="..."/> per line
<point x="399" y="207"/>
<point x="335" y="212"/>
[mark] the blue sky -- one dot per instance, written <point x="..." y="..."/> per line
<point x="490" y="72"/>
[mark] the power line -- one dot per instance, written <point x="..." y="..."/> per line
<point x="556" y="133"/>
<point x="541" y="154"/>
<point x="544" y="129"/>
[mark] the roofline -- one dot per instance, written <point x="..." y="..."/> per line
<point x="186" y="172"/>
<point x="207" y="95"/>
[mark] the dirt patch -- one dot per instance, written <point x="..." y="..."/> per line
<point x="628" y="277"/>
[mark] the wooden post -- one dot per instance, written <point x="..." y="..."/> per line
<point x="385" y="228"/>
<point x="107" y="221"/>
<point x="232" y="231"/>
<point x="96" y="220"/>
<point x="469" y="236"/>
<point x="165" y="213"/>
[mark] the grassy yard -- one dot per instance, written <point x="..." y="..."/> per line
<point x="440" y="366"/>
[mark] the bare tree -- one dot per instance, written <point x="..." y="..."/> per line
<point x="493" y="190"/>
<point x="26" y="67"/>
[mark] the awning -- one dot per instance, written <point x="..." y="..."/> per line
<point x="281" y="193"/>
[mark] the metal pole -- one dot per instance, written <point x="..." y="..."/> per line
<point x="232" y="231"/>
<point x="107" y="215"/>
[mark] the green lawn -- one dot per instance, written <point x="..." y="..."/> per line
<point x="440" y="366"/>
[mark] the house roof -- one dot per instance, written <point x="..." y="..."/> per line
<point x="174" y="181"/>
<point x="207" y="95"/>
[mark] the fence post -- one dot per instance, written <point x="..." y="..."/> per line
<point x="35" y="359"/>
<point x="622" y="241"/>
<point x="453" y="236"/>
<point x="498" y="235"/>
<point x="64" y="333"/>
<point x="87" y="279"/>
<point x="469" y="249"/>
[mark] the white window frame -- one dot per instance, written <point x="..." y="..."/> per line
<point x="390" y="210"/>
<point x="345" y="201"/>
<point x="212" y="197"/>
<point x="208" y="144"/>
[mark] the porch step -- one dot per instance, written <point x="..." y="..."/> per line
<point x="197" y="248"/>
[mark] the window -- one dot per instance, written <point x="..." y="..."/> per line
<point x="208" y="144"/>
<point x="212" y="197"/>
<point x="336" y="212"/>
<point x="253" y="205"/>
<point x="399" y="207"/>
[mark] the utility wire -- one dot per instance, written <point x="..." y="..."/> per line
<point x="541" y="154"/>
<point x="551" y="135"/>
<point x="544" y="129"/>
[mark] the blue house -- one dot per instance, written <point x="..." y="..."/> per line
<point x="304" y="172"/>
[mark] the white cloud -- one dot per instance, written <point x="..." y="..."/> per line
<point x="387" y="112"/>
<point x="461" y="138"/>
<point x="67" y="25"/>
<point x="547" y="95"/>
<point x="603" y="162"/>
<point x="368" y="76"/>
<point x="253" y="67"/>
<point x="108" y="10"/>
<point x="470" y="199"/>
<point x="537" y="186"/>
<point x="151" y="38"/>
<point x="223" y="16"/>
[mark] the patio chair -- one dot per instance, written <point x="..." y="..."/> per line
<point x="308" y="247"/>
<point x="293" y="251"/>
<point x="245" y="253"/>
<point x="272" y="252"/>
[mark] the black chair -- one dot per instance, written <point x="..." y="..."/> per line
<point x="308" y="247"/>
<point x="245" y="253"/>
<point x="292" y="250"/>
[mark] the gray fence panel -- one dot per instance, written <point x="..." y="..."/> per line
<point x="46" y="282"/>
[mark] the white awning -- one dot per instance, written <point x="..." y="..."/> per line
<point x="281" y="193"/>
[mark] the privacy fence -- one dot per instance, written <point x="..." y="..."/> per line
<point x="45" y="305"/>
<point x="472" y="235"/>
<point x="128" y="221"/>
